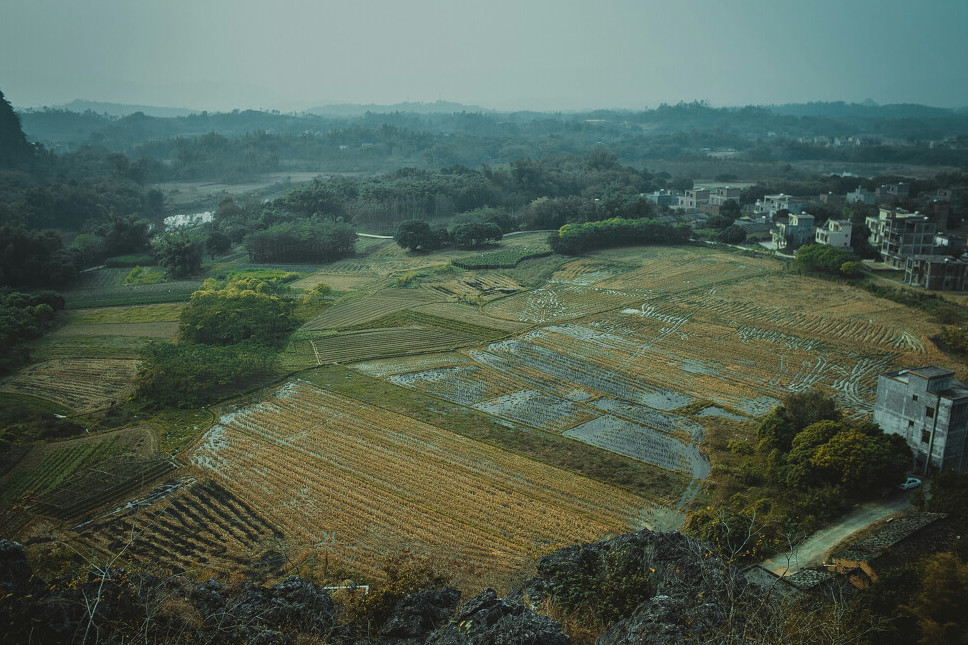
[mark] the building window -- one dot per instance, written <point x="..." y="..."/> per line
<point x="910" y="424"/>
<point x="925" y="436"/>
<point x="929" y="412"/>
<point x="914" y="397"/>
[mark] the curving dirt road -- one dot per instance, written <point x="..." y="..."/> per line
<point x="813" y="550"/>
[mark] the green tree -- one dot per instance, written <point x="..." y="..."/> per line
<point x="776" y="431"/>
<point x="217" y="243"/>
<point x="732" y="235"/>
<point x="852" y="269"/>
<point x="180" y="253"/>
<point x="244" y="310"/>
<point x="415" y="235"/>
<point x="122" y="234"/>
<point x="475" y="234"/>
<point x="806" y="408"/>
<point x="860" y="462"/>
<point x="825" y="259"/>
<point x="856" y="459"/>
<point x="940" y="604"/>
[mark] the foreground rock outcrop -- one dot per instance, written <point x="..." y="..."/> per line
<point x="643" y="586"/>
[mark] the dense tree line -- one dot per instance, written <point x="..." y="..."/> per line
<point x="226" y="336"/>
<point x="34" y="258"/>
<point x="823" y="258"/>
<point x="573" y="239"/>
<point x="24" y="317"/>
<point x="302" y="241"/>
<point x="244" y="143"/>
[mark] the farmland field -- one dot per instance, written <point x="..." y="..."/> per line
<point x="70" y="477"/>
<point x="106" y="288"/>
<point x="469" y="401"/>
<point x="324" y="468"/>
<point x="81" y="384"/>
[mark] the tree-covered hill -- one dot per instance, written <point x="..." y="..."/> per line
<point x="14" y="147"/>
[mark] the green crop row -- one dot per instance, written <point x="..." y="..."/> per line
<point x="58" y="465"/>
<point x="503" y="259"/>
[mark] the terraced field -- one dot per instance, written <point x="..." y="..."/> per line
<point x="622" y="341"/>
<point x="187" y="525"/>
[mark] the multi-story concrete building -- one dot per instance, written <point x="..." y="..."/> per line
<point x="929" y="408"/>
<point x="795" y="232"/>
<point x="936" y="272"/>
<point x="772" y="204"/>
<point x="722" y="195"/>
<point x="861" y="196"/>
<point x="692" y="199"/>
<point x="718" y="198"/>
<point x="664" y="197"/>
<point x="898" y="235"/>
<point x="891" y="193"/>
<point x="836" y="232"/>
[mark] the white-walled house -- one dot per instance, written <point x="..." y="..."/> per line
<point x="836" y="232"/>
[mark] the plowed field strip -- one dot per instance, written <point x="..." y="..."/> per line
<point x="361" y="310"/>
<point x="345" y="427"/>
<point x="327" y="464"/>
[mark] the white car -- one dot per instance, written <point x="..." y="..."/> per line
<point x="912" y="482"/>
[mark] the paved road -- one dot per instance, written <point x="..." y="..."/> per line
<point x="813" y="550"/>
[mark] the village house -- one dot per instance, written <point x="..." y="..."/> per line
<point x="718" y="197"/>
<point x="692" y="199"/>
<point x="936" y="272"/>
<point x="899" y="234"/>
<point x="929" y="408"/>
<point x="795" y="232"/>
<point x="772" y="204"/>
<point x="757" y="229"/>
<point x="862" y="196"/>
<point x="664" y="198"/>
<point x="836" y="232"/>
<point x="890" y="193"/>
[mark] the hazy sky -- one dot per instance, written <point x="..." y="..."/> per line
<point x="503" y="54"/>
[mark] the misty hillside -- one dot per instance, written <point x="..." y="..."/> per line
<point x="436" y="136"/>
<point x="14" y="147"/>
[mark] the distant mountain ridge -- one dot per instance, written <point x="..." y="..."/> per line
<point x="122" y="109"/>
<point x="412" y="107"/>
<point x="826" y="109"/>
<point x="867" y="109"/>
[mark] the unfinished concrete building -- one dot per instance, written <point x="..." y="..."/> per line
<point x="929" y="408"/>
<point x="936" y="272"/>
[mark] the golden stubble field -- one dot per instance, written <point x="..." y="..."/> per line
<point x="628" y="351"/>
